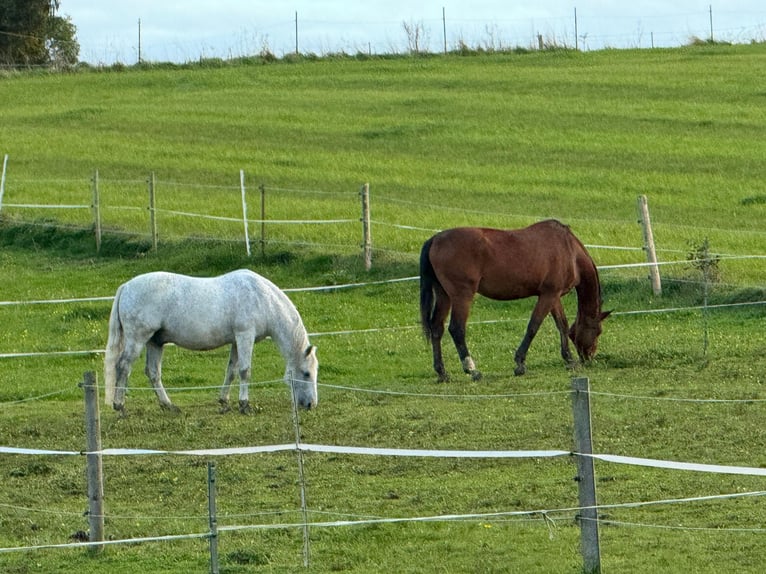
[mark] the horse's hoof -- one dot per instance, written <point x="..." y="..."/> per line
<point x="475" y="375"/>
<point x="520" y="370"/>
<point x="171" y="408"/>
<point x="245" y="408"/>
<point x="225" y="407"/>
<point x="443" y="378"/>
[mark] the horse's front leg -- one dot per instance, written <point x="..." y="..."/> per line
<point x="231" y="372"/>
<point x="457" y="323"/>
<point x="560" y="318"/>
<point x="154" y="373"/>
<point x="542" y="308"/>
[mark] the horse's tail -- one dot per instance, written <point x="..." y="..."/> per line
<point x="428" y="281"/>
<point x="114" y="346"/>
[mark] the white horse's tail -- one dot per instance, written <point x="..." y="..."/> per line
<point x="114" y="347"/>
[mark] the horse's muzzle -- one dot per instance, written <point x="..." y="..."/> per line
<point x="307" y="404"/>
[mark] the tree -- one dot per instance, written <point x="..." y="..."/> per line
<point x="31" y="34"/>
<point x="61" y="42"/>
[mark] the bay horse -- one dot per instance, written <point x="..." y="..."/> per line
<point x="544" y="260"/>
<point x="238" y="309"/>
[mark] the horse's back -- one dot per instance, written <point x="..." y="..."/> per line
<point x="507" y="264"/>
<point x="197" y="312"/>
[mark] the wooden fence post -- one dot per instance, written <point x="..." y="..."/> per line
<point x="93" y="462"/>
<point x="366" y="232"/>
<point x="586" y="477"/>
<point x="212" y="517"/>
<point x="152" y="211"/>
<point x="96" y="211"/>
<point x="244" y="210"/>
<point x="651" y="253"/>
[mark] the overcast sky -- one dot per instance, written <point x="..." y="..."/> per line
<point x="179" y="31"/>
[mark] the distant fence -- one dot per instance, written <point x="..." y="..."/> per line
<point x="235" y="208"/>
<point x="153" y="213"/>
<point x="435" y="30"/>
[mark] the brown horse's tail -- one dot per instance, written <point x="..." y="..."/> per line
<point x="428" y="280"/>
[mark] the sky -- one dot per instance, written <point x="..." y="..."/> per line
<point x="176" y="31"/>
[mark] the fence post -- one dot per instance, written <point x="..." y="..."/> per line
<point x="96" y="211"/>
<point x="586" y="477"/>
<point x="301" y="476"/>
<point x="651" y="253"/>
<point x="262" y="189"/>
<point x="366" y="232"/>
<point x="93" y="462"/>
<point x="244" y="210"/>
<point x="2" y="181"/>
<point x="152" y="211"/>
<point x="213" y="518"/>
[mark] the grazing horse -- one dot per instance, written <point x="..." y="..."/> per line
<point x="237" y="309"/>
<point x="544" y="260"/>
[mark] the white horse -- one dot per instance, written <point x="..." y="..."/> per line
<point x="239" y="308"/>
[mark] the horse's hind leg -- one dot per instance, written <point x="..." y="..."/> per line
<point x="458" y="320"/>
<point x="231" y="373"/>
<point x="441" y="310"/>
<point x="122" y="368"/>
<point x="154" y="373"/>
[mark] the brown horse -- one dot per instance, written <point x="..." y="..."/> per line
<point x="544" y="260"/>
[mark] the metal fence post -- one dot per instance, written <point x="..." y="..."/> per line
<point x="2" y="180"/>
<point x="244" y="210"/>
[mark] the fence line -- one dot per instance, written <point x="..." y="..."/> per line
<point x="445" y="396"/>
<point x="407" y="327"/>
<point x="410" y="327"/>
<point x="334" y="221"/>
<point x="401" y="452"/>
<point x="530" y="514"/>
<point x="401" y="280"/>
<point x="302" y="447"/>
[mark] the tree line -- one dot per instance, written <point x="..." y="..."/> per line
<point x="33" y="34"/>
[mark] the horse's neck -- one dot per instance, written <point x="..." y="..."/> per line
<point x="589" y="288"/>
<point x="291" y="338"/>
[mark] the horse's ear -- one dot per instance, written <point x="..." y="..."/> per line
<point x="310" y="349"/>
<point x="605" y="314"/>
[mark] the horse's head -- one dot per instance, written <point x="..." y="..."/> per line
<point x="302" y="378"/>
<point x="584" y="334"/>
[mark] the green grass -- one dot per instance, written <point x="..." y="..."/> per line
<point x="498" y="140"/>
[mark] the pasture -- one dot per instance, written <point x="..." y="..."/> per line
<point x="500" y="140"/>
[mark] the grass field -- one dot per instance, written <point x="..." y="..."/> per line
<point x="502" y="140"/>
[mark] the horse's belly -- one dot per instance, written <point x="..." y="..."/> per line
<point x="193" y="339"/>
<point x="507" y="290"/>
